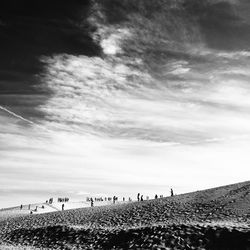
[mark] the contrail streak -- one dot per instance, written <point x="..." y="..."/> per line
<point x="21" y="117"/>
<point x="16" y="115"/>
<point x="210" y="140"/>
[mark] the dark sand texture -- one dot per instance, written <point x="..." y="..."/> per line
<point x="212" y="219"/>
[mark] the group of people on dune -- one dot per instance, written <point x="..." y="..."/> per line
<point x="100" y="199"/>
<point x="140" y="196"/>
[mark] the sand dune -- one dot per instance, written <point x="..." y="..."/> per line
<point x="217" y="218"/>
<point x="41" y="208"/>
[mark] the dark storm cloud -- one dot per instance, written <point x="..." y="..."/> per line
<point x="43" y="27"/>
<point x="224" y="24"/>
<point x="31" y="29"/>
<point x="44" y="8"/>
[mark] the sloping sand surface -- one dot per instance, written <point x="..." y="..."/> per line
<point x="217" y="218"/>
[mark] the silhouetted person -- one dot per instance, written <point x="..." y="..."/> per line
<point x="156" y="196"/>
<point x="138" y="197"/>
<point x="62" y="207"/>
<point x="141" y="197"/>
<point x="114" y="199"/>
<point x="91" y="202"/>
<point x="171" y="192"/>
<point x="21" y="207"/>
<point x="123" y="198"/>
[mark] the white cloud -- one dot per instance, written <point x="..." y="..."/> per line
<point x="111" y="127"/>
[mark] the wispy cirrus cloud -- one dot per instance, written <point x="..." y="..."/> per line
<point x="136" y="119"/>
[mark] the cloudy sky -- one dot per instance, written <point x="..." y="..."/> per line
<point x="129" y="107"/>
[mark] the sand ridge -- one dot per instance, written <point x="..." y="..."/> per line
<point x="217" y="218"/>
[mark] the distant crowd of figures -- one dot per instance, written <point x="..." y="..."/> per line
<point x="63" y="199"/>
<point x="32" y="208"/>
<point x="99" y="199"/>
<point x="114" y="199"/>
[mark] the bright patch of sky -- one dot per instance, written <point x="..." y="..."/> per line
<point x="112" y="128"/>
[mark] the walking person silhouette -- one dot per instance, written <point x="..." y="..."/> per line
<point x="171" y="192"/>
<point x="141" y="197"/>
